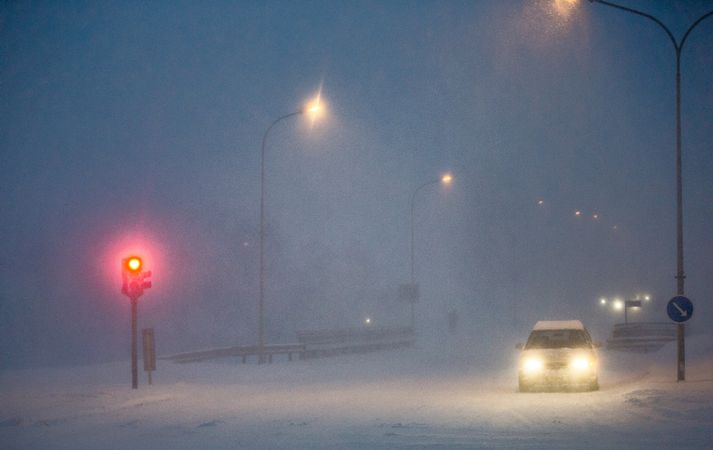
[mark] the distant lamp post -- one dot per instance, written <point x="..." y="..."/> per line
<point x="314" y="109"/>
<point x="412" y="293"/>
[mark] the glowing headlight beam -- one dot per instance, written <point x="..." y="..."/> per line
<point x="579" y="363"/>
<point x="533" y="365"/>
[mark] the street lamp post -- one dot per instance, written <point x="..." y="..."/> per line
<point x="445" y="179"/>
<point x="678" y="46"/>
<point x="313" y="109"/>
<point x="680" y="275"/>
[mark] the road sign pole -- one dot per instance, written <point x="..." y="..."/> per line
<point x="680" y="309"/>
<point x="681" y="334"/>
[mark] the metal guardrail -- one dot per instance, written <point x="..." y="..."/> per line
<point x="322" y="343"/>
<point x="243" y="351"/>
<point x="311" y="344"/>
<point x="641" y="337"/>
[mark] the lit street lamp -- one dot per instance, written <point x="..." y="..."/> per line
<point x="445" y="179"/>
<point x="314" y="109"/>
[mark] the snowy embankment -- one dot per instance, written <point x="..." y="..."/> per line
<point x="409" y="399"/>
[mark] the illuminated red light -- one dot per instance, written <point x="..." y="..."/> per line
<point x="133" y="263"/>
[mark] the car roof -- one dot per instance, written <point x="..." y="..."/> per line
<point x="558" y="325"/>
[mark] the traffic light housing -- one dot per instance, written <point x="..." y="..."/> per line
<point x="134" y="281"/>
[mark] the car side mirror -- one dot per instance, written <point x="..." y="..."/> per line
<point x="519" y="346"/>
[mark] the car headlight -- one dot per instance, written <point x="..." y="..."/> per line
<point x="532" y="365"/>
<point x="580" y="363"/>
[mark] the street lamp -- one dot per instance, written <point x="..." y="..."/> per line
<point x="445" y="179"/>
<point x="678" y="46"/>
<point x="313" y="109"/>
<point x="680" y="275"/>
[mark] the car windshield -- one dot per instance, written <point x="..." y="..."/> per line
<point x="557" y="339"/>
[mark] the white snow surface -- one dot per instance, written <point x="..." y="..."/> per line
<point x="418" y="398"/>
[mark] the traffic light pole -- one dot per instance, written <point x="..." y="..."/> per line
<point x="134" y="355"/>
<point x="134" y="281"/>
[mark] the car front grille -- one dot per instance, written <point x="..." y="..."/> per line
<point x="556" y="365"/>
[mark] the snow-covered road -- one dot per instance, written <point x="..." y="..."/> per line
<point x="387" y="400"/>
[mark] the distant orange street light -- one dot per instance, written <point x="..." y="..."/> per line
<point x="446" y="179"/>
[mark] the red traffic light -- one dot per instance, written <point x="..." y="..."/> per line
<point x="134" y="281"/>
<point x="133" y="263"/>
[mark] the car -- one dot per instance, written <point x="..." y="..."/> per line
<point x="559" y="355"/>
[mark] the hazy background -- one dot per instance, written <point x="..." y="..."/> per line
<point x="136" y="127"/>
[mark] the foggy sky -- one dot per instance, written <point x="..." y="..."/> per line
<point x="138" y="125"/>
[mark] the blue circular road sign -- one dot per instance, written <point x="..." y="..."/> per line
<point x="679" y="309"/>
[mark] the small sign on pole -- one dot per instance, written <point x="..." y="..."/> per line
<point x="149" y="351"/>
